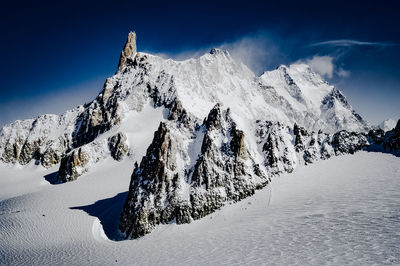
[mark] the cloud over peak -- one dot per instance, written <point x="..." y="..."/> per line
<point x="325" y="66"/>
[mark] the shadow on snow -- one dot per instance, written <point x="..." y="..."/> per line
<point x="52" y="178"/>
<point x="108" y="212"/>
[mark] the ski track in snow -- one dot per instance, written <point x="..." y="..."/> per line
<point x="345" y="210"/>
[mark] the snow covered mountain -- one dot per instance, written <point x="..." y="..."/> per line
<point x="220" y="132"/>
<point x="387" y="125"/>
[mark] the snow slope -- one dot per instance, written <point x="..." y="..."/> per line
<point x="288" y="95"/>
<point x="340" y="211"/>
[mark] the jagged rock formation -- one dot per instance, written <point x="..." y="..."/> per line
<point x="385" y="142"/>
<point x="178" y="185"/>
<point x="43" y="140"/>
<point x="286" y="95"/>
<point x="276" y="145"/>
<point x="203" y="154"/>
<point x="117" y="145"/>
<point x="392" y="139"/>
<point x="129" y="50"/>
<point x="79" y="160"/>
<point x="345" y="142"/>
<point x="73" y="165"/>
<point x="98" y="117"/>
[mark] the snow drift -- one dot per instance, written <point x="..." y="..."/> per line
<point x="223" y="132"/>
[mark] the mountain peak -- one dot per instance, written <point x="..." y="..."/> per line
<point x="129" y="49"/>
<point x="217" y="51"/>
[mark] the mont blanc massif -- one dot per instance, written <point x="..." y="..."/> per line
<point x="201" y="162"/>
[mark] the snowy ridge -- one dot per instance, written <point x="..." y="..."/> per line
<point x="289" y="95"/>
<point x="312" y="102"/>
<point x="221" y="133"/>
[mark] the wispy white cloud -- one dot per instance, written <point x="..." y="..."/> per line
<point x="259" y="51"/>
<point x="325" y="66"/>
<point x="343" y="73"/>
<point x="321" y="64"/>
<point x="348" y="43"/>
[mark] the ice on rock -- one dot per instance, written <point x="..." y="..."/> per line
<point x="223" y="132"/>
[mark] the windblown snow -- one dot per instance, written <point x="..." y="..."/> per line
<point x="339" y="211"/>
<point x="201" y="136"/>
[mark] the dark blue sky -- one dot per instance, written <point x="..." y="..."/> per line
<point x="56" y="55"/>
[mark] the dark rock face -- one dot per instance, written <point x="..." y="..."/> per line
<point x="97" y="118"/>
<point x="345" y="142"/>
<point x="376" y="136"/>
<point x="283" y="148"/>
<point x="299" y="133"/>
<point x="293" y="89"/>
<point x="12" y="151"/>
<point x="30" y="151"/>
<point x="71" y="164"/>
<point x="329" y="100"/>
<point x="162" y="192"/>
<point x="150" y="187"/>
<point x="277" y="147"/>
<point x="391" y="141"/>
<point x="128" y="51"/>
<point x="178" y="113"/>
<point x="25" y="150"/>
<point x="77" y="162"/>
<point x="118" y="147"/>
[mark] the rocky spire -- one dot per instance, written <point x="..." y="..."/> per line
<point x="128" y="51"/>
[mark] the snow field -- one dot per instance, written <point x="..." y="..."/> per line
<point x="345" y="210"/>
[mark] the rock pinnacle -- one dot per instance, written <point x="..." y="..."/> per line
<point x="129" y="50"/>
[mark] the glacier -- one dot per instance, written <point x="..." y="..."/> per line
<point x="196" y="134"/>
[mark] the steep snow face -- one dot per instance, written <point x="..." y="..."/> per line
<point x="288" y="95"/>
<point x="313" y="103"/>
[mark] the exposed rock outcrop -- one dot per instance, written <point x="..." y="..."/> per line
<point x="392" y="139"/>
<point x="34" y="139"/>
<point x="98" y="117"/>
<point x="194" y="165"/>
<point x="117" y="145"/>
<point x="276" y="144"/>
<point x="345" y="142"/>
<point x="283" y="148"/>
<point x="73" y="165"/>
<point x="172" y="184"/>
<point x="79" y="160"/>
<point x="129" y="50"/>
<point x="385" y="142"/>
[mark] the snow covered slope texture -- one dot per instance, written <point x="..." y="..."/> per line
<point x="190" y="170"/>
<point x="223" y="132"/>
<point x="289" y="95"/>
<point x="310" y="101"/>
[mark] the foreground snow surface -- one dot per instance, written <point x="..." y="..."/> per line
<point x="345" y="210"/>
